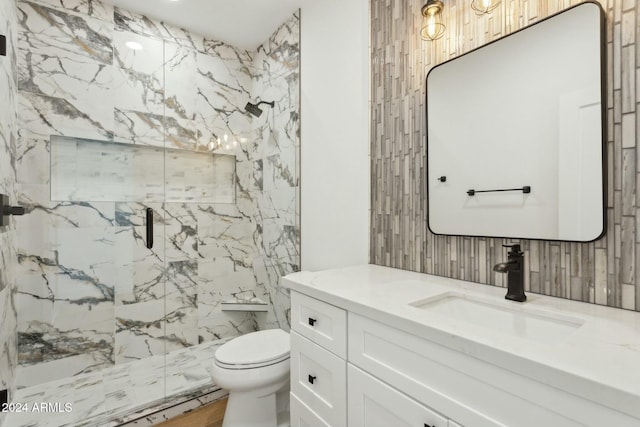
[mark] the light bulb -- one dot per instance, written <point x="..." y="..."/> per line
<point x="431" y="26"/>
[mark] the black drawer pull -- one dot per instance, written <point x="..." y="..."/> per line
<point x="312" y="321"/>
<point x="427" y="425"/>
<point x="312" y="378"/>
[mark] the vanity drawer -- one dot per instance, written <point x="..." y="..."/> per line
<point x="319" y="380"/>
<point x="322" y="323"/>
<point x="375" y="404"/>
<point x="302" y="416"/>
<point x="470" y="391"/>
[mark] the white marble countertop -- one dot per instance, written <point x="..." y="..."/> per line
<point x="599" y="360"/>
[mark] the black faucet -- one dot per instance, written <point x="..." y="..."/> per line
<point x="514" y="267"/>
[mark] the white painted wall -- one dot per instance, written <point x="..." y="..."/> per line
<point x="335" y="175"/>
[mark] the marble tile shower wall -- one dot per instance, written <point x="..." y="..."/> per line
<point x="277" y="149"/>
<point x="8" y="130"/>
<point x="604" y="272"/>
<point x="87" y="260"/>
<point x="268" y="190"/>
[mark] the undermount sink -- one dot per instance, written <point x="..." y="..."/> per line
<point x="501" y="316"/>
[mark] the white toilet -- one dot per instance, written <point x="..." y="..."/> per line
<point x="255" y="369"/>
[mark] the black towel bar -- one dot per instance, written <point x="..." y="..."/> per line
<point x="526" y="189"/>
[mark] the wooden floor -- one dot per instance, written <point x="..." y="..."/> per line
<point x="208" y="416"/>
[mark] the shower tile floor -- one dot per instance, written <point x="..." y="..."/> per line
<point x="115" y="395"/>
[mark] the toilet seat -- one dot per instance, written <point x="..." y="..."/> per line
<point x="254" y="350"/>
<point x="250" y="365"/>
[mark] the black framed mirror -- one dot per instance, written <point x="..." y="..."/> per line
<point x="516" y="133"/>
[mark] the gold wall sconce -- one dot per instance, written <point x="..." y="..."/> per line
<point x="482" y="7"/>
<point x="432" y="28"/>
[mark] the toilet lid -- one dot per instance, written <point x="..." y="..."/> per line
<point x="255" y="348"/>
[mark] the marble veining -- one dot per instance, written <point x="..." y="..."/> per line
<point x="121" y="393"/>
<point x="65" y="64"/>
<point x="129" y="21"/>
<point x="93" y="8"/>
<point x="139" y="75"/>
<point x="98" y="171"/>
<point x="81" y="250"/>
<point x="59" y="284"/>
<point x="8" y="183"/>
<point x="276" y="168"/>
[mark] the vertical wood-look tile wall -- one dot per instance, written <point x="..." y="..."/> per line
<point x="604" y="272"/>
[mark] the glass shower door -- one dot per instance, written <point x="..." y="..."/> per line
<point x="91" y="288"/>
<point x="140" y="306"/>
<point x="123" y="262"/>
<point x="145" y="124"/>
<point x="197" y="178"/>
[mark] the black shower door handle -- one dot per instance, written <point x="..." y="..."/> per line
<point x="149" y="228"/>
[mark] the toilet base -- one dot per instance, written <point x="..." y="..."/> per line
<point x="284" y="419"/>
<point x="249" y="410"/>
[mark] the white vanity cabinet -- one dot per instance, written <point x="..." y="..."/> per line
<point x="351" y="368"/>
<point x="303" y="416"/>
<point x="318" y="363"/>
<point x="322" y="323"/>
<point x="372" y="403"/>
<point x="319" y="378"/>
<point x="460" y="387"/>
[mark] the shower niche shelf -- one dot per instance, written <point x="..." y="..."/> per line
<point x="252" y="304"/>
<point x="106" y="171"/>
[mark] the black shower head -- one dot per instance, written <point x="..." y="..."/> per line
<point x="256" y="111"/>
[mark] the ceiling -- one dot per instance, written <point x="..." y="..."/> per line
<point x="242" y="23"/>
